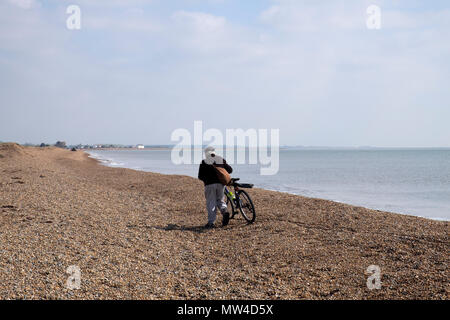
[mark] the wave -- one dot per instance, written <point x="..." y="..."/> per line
<point x="110" y="162"/>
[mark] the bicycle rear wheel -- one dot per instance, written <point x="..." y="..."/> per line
<point x="246" y="206"/>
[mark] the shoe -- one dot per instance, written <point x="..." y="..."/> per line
<point x="209" y="226"/>
<point x="225" y="219"/>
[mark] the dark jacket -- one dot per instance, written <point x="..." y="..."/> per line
<point x="207" y="173"/>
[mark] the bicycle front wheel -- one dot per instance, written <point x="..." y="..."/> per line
<point x="246" y="206"/>
<point x="230" y="207"/>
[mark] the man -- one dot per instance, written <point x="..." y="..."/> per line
<point x="214" y="190"/>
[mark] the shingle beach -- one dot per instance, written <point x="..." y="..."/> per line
<point x="139" y="235"/>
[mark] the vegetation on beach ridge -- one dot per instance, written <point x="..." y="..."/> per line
<point x="62" y="144"/>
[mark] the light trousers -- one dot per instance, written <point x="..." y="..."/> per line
<point x="215" y="199"/>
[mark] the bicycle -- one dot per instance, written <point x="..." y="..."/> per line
<point x="240" y="200"/>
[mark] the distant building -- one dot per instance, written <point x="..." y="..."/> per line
<point x="140" y="146"/>
<point x="60" y="144"/>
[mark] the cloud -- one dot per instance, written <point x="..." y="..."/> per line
<point x="129" y="22"/>
<point x="24" y="4"/>
<point x="202" y="22"/>
<point x="106" y="4"/>
<point x="311" y="16"/>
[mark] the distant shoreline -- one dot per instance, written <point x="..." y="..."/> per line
<point x="124" y="149"/>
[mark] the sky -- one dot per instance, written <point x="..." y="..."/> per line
<point x="137" y="70"/>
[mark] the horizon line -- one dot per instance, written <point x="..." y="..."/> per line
<point x="243" y="146"/>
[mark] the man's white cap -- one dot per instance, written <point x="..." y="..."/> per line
<point x="209" y="151"/>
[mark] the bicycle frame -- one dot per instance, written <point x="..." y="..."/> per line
<point x="228" y="191"/>
<point x="233" y="197"/>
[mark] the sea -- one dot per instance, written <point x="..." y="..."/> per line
<point x="407" y="181"/>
